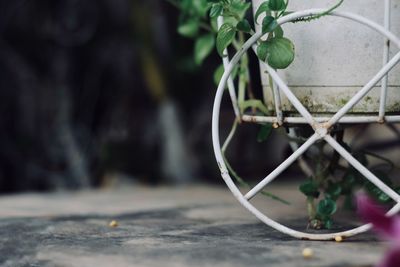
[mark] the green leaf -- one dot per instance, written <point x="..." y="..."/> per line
<point x="375" y="191"/>
<point x="214" y="24"/>
<point x="201" y="7"/>
<point x="203" y="47"/>
<point x="253" y="103"/>
<point x="225" y="36"/>
<point x="264" y="132"/>
<point x="262" y="51"/>
<point x="287" y="13"/>
<point x="261" y="9"/>
<point x="269" y="24"/>
<point x="244" y="26"/>
<point x="218" y="74"/>
<point x="328" y="224"/>
<point x="239" y="7"/>
<point x="277" y="5"/>
<point x="333" y="191"/>
<point x="277" y="52"/>
<point x="220" y="71"/>
<point x="326" y="207"/>
<point x="216" y="10"/>
<point x="309" y="188"/>
<point x="278" y="32"/>
<point x="189" y="28"/>
<point x="348" y="183"/>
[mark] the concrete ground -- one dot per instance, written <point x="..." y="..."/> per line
<point x="185" y="226"/>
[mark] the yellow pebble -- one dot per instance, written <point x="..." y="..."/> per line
<point x="338" y="238"/>
<point x="275" y="125"/>
<point x="113" y="224"/>
<point x="308" y="253"/>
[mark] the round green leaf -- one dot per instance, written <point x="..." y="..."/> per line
<point x="218" y="74"/>
<point x="348" y="183"/>
<point x="333" y="191"/>
<point x="264" y="132"/>
<point x="326" y="207"/>
<point x="220" y="71"/>
<point x="203" y="47"/>
<point x="278" y="32"/>
<point x="328" y="224"/>
<point x="239" y="7"/>
<point x="216" y="10"/>
<point x="279" y="52"/>
<point x="244" y="26"/>
<point x="276" y="5"/>
<point x="225" y="36"/>
<point x="200" y="7"/>
<point x="261" y="9"/>
<point x="189" y="28"/>
<point x="309" y="188"/>
<point x="262" y="51"/>
<point x="269" y="24"/>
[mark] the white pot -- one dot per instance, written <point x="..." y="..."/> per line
<point x="336" y="57"/>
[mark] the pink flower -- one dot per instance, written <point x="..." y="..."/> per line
<point x="387" y="227"/>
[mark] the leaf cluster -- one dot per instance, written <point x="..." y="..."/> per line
<point x="325" y="190"/>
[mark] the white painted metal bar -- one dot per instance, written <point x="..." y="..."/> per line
<point x="362" y="169"/>
<point x="303" y="164"/>
<point x="386" y="50"/>
<point x="231" y="85"/>
<point x="301" y="120"/>
<point x="360" y="94"/>
<point x="289" y="94"/>
<point x="277" y="101"/>
<point x="283" y="166"/>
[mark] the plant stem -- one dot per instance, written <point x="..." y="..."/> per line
<point x="234" y="173"/>
<point x="206" y="27"/>
<point x="311" y="208"/>
<point x="388" y="161"/>
<point x="313" y="17"/>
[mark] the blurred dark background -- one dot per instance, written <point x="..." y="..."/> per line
<point x="96" y="91"/>
<point x="99" y="93"/>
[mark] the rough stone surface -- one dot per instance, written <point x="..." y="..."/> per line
<point x="188" y="226"/>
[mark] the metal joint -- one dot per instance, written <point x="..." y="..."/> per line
<point x="321" y="129"/>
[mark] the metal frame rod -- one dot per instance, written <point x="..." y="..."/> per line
<point x="362" y="169"/>
<point x="278" y="105"/>
<point x="283" y="166"/>
<point x="231" y="85"/>
<point x="360" y="94"/>
<point x="289" y="94"/>
<point x="303" y="164"/>
<point x="386" y="50"/>
<point x="301" y="120"/>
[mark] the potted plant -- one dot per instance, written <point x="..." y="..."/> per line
<point x="223" y="24"/>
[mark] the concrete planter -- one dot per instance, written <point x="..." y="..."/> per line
<point x="336" y="57"/>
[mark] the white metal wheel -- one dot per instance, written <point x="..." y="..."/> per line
<point x="321" y="128"/>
